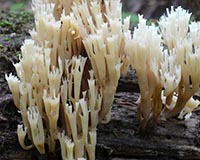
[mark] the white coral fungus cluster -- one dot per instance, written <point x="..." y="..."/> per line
<point x="68" y="74"/>
<point x="166" y="59"/>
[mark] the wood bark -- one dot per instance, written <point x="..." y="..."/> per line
<point x="119" y="139"/>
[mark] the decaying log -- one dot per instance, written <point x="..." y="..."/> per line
<point x="174" y="139"/>
<point x="120" y="139"/>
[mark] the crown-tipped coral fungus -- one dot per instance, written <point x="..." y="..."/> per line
<point x="68" y="74"/>
<point x="166" y="59"/>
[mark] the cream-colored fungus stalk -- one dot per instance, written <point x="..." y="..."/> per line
<point x="95" y="102"/>
<point x="189" y="107"/>
<point x="79" y="112"/>
<point x="174" y="26"/>
<point x="102" y="31"/>
<point x="183" y="40"/>
<point x="37" y="130"/>
<point x="67" y="146"/>
<point x="62" y="105"/>
<point x="13" y="83"/>
<point x="61" y="35"/>
<point x="21" y="132"/>
<point x="170" y="73"/>
<point x="166" y="59"/>
<point x="56" y="89"/>
<point x="90" y="146"/>
<point x="145" y="50"/>
<point x="51" y="103"/>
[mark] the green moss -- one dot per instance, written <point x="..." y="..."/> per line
<point x="133" y="18"/>
<point x="5" y="23"/>
<point x="19" y="55"/>
<point x="14" y="28"/>
<point x="14" y="21"/>
<point x="6" y="39"/>
<point x="17" y="6"/>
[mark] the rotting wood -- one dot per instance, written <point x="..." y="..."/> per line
<point x="174" y="139"/>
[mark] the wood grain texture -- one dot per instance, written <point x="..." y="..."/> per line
<point x="173" y="139"/>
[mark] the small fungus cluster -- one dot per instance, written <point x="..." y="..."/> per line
<point x="166" y="59"/>
<point x="68" y="72"/>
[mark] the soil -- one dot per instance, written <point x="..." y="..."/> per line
<point x="118" y="140"/>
